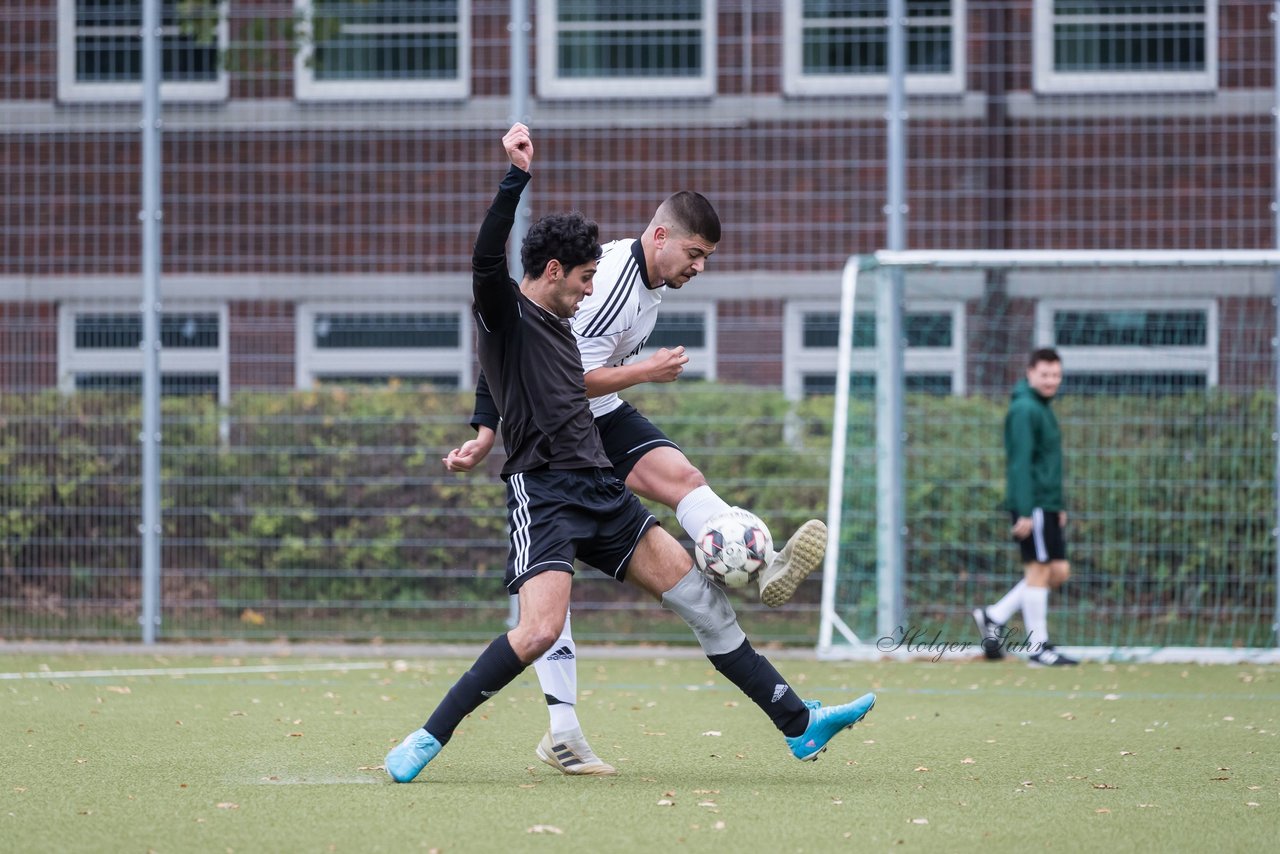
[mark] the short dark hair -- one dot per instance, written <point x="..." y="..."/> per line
<point x="569" y="238"/>
<point x="1044" y="354"/>
<point x="693" y="214"/>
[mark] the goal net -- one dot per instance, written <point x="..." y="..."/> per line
<point x="1168" y="419"/>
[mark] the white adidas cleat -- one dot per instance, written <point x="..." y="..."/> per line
<point x="573" y="756"/>
<point x="802" y="554"/>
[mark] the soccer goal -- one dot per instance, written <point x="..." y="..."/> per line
<point x="1168" y="412"/>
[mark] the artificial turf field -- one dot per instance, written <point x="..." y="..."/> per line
<point x="173" y="753"/>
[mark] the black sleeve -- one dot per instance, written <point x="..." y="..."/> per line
<point x="491" y="285"/>
<point x="486" y="411"/>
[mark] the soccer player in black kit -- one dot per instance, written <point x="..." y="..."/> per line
<point x="563" y="502"/>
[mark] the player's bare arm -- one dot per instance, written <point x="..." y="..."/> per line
<point x="664" y="366"/>
<point x="472" y="452"/>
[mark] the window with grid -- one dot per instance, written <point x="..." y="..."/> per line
<point x="619" y="49"/>
<point x="384" y="50"/>
<point x="840" y="47"/>
<point x="692" y="327"/>
<point x="934" y="361"/>
<point x="341" y="344"/>
<point x="1126" y="45"/>
<point x="100" y="348"/>
<point x="100" y="50"/>
<point x="1132" y="347"/>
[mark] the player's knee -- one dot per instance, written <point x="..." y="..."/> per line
<point x="1059" y="572"/>
<point x="691" y="478"/>
<point x="707" y="611"/>
<point x="532" y="637"/>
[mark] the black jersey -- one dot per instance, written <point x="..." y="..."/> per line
<point x="529" y="356"/>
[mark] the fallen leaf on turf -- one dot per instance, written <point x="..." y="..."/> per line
<point x="545" y="828"/>
<point x="666" y="803"/>
<point x="227" y="805"/>
<point x="1104" y="786"/>
<point x="712" y="732"/>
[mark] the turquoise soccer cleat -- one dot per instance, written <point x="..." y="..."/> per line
<point x="407" y="759"/>
<point x="825" y="722"/>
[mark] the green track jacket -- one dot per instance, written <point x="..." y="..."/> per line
<point x="1033" y="453"/>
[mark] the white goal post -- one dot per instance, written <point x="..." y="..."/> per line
<point x="836" y="639"/>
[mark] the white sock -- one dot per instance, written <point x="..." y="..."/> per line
<point x="697" y="508"/>
<point x="557" y="670"/>
<point x="1035" y="613"/>
<point x="1006" y="607"/>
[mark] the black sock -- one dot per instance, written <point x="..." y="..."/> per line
<point x="492" y="671"/>
<point x="760" y="681"/>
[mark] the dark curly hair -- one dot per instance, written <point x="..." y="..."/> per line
<point x="570" y="238"/>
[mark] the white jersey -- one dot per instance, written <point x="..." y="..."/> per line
<point x="614" y="322"/>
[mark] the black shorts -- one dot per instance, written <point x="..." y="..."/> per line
<point x="628" y="436"/>
<point x="561" y="514"/>
<point x="1046" y="542"/>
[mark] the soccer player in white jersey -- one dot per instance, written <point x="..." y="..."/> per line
<point x="611" y="327"/>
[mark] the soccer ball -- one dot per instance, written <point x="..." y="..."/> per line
<point x="733" y="546"/>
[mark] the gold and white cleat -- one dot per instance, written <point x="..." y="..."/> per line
<point x="802" y="554"/>
<point x="573" y="756"/>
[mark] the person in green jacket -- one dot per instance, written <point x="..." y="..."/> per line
<point x="1033" y="474"/>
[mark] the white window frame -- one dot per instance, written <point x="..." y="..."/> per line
<point x="1049" y="81"/>
<point x="702" y="360"/>
<point x="71" y="90"/>
<point x="312" y="363"/>
<point x="796" y="82"/>
<point x="308" y="88"/>
<point x="1133" y="360"/>
<point x="552" y="85"/>
<point x="800" y="360"/>
<point x="73" y="360"/>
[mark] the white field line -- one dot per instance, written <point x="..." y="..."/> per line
<point x="192" y="671"/>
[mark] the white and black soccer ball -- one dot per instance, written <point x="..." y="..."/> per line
<point x="733" y="546"/>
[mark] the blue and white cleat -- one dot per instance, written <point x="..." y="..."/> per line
<point x="407" y="759"/>
<point x="824" y="723"/>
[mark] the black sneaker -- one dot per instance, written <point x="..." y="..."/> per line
<point x="990" y="631"/>
<point x="1050" y="657"/>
